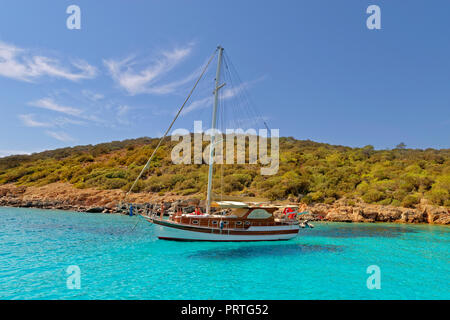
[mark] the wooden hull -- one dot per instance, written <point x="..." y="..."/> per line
<point x="167" y="230"/>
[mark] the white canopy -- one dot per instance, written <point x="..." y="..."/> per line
<point x="231" y="204"/>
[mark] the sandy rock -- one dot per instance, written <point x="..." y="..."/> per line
<point x="389" y="214"/>
<point x="111" y="205"/>
<point x="412" y="216"/>
<point x="443" y="219"/>
<point x="438" y="215"/>
<point x="319" y="209"/>
<point x="369" y="214"/>
<point x="337" y="215"/>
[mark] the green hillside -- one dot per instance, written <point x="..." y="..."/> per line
<point x="310" y="171"/>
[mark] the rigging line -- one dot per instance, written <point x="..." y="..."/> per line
<point x="137" y="222"/>
<point x="224" y="104"/>
<point x="229" y="103"/>
<point x="239" y="103"/>
<point x="242" y="97"/>
<point x="237" y="106"/>
<point x="232" y="104"/>
<point x="222" y="112"/>
<point x="241" y="94"/>
<point x="246" y="96"/>
<point x="217" y="126"/>
<point x="170" y="127"/>
<point x="231" y="108"/>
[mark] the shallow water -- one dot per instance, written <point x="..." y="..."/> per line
<point x="117" y="262"/>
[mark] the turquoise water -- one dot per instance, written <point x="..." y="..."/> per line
<point x="117" y="262"/>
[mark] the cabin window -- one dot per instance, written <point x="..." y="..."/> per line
<point x="238" y="223"/>
<point x="194" y="221"/>
<point x="225" y="222"/>
<point x="247" y="223"/>
<point x="214" y="222"/>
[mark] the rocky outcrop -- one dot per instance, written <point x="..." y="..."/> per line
<point x="362" y="212"/>
<point x="341" y="211"/>
<point x="65" y="197"/>
<point x="435" y="215"/>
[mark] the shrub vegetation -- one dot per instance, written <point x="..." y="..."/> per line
<point x="309" y="171"/>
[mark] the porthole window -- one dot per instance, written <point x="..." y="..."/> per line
<point x="247" y="223"/>
<point x="238" y="223"/>
<point x="225" y="222"/>
<point x="194" y="221"/>
<point x="214" y="222"/>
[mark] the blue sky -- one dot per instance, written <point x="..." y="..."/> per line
<point x="312" y="67"/>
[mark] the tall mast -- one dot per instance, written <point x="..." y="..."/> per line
<point x="213" y="127"/>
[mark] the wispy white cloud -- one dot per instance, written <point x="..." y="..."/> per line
<point x="146" y="80"/>
<point x="122" y="114"/>
<point x="59" y="135"/>
<point x="122" y="110"/>
<point x="62" y="121"/>
<point x="93" y="96"/>
<point x="173" y="86"/>
<point x="63" y="116"/>
<point x="198" y="104"/>
<point x="29" y="121"/>
<point x="22" y="64"/>
<point x="233" y="91"/>
<point x="5" y="153"/>
<point x="71" y="116"/>
<point x="49" y="104"/>
<point x="227" y="93"/>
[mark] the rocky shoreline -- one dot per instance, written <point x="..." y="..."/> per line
<point x="63" y="196"/>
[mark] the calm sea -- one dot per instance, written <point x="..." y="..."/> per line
<point x="118" y="262"/>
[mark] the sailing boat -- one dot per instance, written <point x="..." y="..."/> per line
<point x="231" y="220"/>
